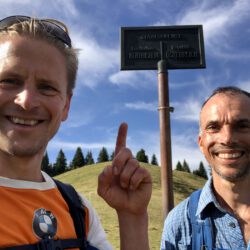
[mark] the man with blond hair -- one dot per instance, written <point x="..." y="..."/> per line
<point x="38" y="67"/>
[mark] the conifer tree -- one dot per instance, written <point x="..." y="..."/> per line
<point x="60" y="166"/>
<point x="154" y="160"/>
<point x="103" y="155"/>
<point x="112" y="156"/>
<point x="78" y="159"/>
<point x="46" y="166"/>
<point x="201" y="171"/>
<point x="141" y="156"/>
<point x="179" y="166"/>
<point x="186" y="167"/>
<point x="89" y="158"/>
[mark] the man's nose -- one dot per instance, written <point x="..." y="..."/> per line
<point x="27" y="98"/>
<point x="228" y="136"/>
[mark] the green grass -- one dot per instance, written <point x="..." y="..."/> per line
<point x="85" y="181"/>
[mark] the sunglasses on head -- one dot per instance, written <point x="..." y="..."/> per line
<point x="55" y="28"/>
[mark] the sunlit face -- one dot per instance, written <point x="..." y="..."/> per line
<point x="225" y="136"/>
<point x="33" y="94"/>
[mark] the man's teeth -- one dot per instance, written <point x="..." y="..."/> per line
<point x="229" y="156"/>
<point x="24" y="122"/>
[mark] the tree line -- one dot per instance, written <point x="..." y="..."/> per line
<point x="201" y="171"/>
<point x="79" y="160"/>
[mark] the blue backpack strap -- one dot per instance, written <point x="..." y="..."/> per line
<point x="202" y="231"/>
<point x="76" y="211"/>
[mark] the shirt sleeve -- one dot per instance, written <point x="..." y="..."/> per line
<point x="176" y="233"/>
<point x="96" y="234"/>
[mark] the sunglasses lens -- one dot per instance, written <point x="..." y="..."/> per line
<point x="8" y="21"/>
<point x="51" y="26"/>
<point x="57" y="31"/>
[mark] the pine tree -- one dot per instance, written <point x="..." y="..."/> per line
<point x="141" y="156"/>
<point x="179" y="167"/>
<point x="78" y="159"/>
<point x="154" y="160"/>
<point x="112" y="156"/>
<point x="60" y="165"/>
<point x="89" y="158"/>
<point x="186" y="167"/>
<point x="201" y="171"/>
<point x="103" y="155"/>
<point x="46" y="166"/>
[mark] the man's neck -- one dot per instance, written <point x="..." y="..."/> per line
<point x="21" y="168"/>
<point x="234" y="194"/>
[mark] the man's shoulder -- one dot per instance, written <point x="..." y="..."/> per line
<point x="178" y="213"/>
<point x="177" y="228"/>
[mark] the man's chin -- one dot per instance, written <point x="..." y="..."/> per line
<point x="23" y="152"/>
<point x="235" y="175"/>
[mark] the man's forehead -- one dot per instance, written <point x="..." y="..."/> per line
<point x="4" y="47"/>
<point x="221" y="104"/>
<point x="225" y="99"/>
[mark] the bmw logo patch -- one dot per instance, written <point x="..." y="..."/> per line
<point x="44" y="224"/>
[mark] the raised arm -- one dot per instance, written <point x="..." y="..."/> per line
<point x="127" y="188"/>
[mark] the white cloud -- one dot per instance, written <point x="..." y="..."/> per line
<point x="140" y="105"/>
<point x="15" y="2"/>
<point x="136" y="79"/>
<point x="66" y="145"/>
<point x="218" y="20"/>
<point x="188" y="110"/>
<point x="135" y="5"/>
<point x="68" y="7"/>
<point x="96" y="61"/>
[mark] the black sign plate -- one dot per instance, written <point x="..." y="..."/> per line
<point x="182" y="47"/>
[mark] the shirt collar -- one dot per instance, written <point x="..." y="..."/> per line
<point x="207" y="197"/>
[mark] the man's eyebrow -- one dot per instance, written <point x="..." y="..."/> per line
<point x="211" y="122"/>
<point x="244" y="120"/>
<point x="236" y="121"/>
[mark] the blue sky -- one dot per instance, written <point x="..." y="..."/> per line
<point x="106" y="96"/>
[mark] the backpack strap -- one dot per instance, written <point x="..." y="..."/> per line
<point x="74" y="203"/>
<point x="76" y="211"/>
<point x="49" y="244"/>
<point x="202" y="231"/>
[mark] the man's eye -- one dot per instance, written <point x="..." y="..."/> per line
<point x="243" y="126"/>
<point x="212" y="128"/>
<point x="48" y="89"/>
<point x="9" y="81"/>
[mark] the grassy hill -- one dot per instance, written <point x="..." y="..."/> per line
<point x="85" y="181"/>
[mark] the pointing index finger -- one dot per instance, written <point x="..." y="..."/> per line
<point x="121" y="137"/>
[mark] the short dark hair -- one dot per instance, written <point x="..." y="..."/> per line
<point x="231" y="90"/>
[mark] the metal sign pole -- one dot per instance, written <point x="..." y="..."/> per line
<point x="165" y="139"/>
<point x="183" y="48"/>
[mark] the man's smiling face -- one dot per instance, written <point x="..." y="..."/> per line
<point x="33" y="94"/>
<point x="225" y="135"/>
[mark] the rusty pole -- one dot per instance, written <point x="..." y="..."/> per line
<point x="165" y="139"/>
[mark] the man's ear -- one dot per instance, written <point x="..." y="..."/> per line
<point x="66" y="107"/>
<point x="200" y="143"/>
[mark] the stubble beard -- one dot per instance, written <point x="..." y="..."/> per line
<point x="239" y="175"/>
<point x="22" y="151"/>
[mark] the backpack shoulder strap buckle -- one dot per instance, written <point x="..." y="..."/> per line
<point x="48" y="244"/>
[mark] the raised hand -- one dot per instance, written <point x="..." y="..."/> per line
<point x="125" y="185"/>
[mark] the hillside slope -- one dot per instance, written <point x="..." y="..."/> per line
<point x="85" y="181"/>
